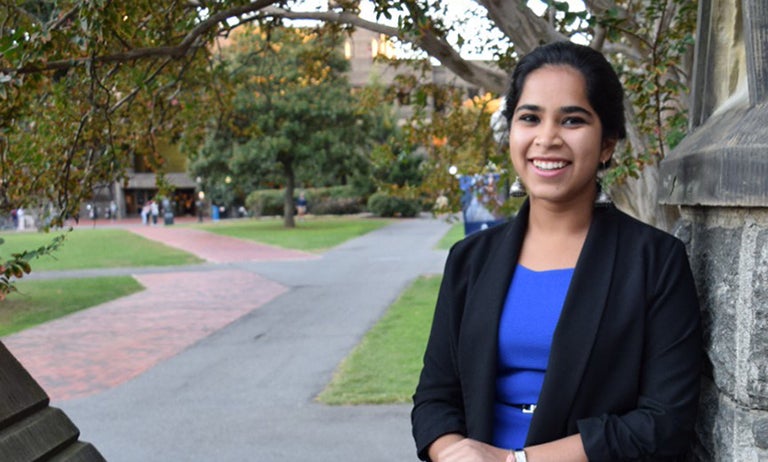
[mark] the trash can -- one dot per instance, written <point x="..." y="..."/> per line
<point x="167" y="212"/>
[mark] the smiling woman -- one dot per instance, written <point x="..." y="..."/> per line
<point x="572" y="333"/>
<point x="556" y="137"/>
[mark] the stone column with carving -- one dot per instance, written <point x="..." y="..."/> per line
<point x="718" y="176"/>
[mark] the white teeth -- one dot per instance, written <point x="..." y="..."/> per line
<point x="549" y="165"/>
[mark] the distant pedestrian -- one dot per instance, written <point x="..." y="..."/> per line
<point x="113" y="211"/>
<point x="301" y="206"/>
<point x="20" y="218"/>
<point x="155" y="210"/>
<point x="199" y="210"/>
<point x="93" y="213"/>
<point x="145" y="210"/>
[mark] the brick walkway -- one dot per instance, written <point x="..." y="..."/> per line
<point x="216" y="248"/>
<point x="102" y="347"/>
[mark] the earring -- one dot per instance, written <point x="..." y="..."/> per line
<point x="517" y="189"/>
<point x="602" y="199"/>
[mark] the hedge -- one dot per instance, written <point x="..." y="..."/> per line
<point x="384" y="205"/>
<point x="333" y="200"/>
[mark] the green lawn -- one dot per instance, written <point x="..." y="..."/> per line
<point x="313" y="234"/>
<point x="39" y="301"/>
<point x="454" y="235"/>
<point x="385" y="366"/>
<point x="96" y="248"/>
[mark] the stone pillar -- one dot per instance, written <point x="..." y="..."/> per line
<point x="718" y="176"/>
<point x="30" y="429"/>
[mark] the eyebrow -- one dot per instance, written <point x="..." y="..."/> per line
<point x="573" y="109"/>
<point x="564" y="109"/>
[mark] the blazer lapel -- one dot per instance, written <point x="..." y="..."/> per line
<point x="576" y="329"/>
<point x="480" y="326"/>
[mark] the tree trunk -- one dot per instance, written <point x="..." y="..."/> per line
<point x="288" y="205"/>
<point x="639" y="198"/>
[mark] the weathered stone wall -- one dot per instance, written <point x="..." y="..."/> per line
<point x="728" y="250"/>
<point x="718" y="176"/>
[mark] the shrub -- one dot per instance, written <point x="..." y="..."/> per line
<point x="384" y="205"/>
<point x="265" y="202"/>
<point x="333" y="200"/>
<point x="338" y="206"/>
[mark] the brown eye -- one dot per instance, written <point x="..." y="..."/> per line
<point x="529" y="118"/>
<point x="573" y="121"/>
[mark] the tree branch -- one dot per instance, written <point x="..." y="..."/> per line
<point x="520" y="24"/>
<point x="176" y="51"/>
<point x="64" y="18"/>
<point x="601" y="8"/>
<point x="624" y="22"/>
<point x="28" y="15"/>
<point x="626" y="50"/>
<point x="474" y="72"/>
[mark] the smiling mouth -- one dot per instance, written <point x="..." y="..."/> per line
<point x="549" y="164"/>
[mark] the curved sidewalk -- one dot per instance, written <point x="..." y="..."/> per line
<point x="102" y="347"/>
<point x="246" y="389"/>
<point x="96" y="349"/>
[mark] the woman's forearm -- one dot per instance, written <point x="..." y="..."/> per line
<point x="568" y="449"/>
<point x="441" y="443"/>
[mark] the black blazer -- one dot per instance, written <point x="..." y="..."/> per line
<point x="624" y="368"/>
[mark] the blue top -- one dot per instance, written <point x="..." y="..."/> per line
<point x="531" y="310"/>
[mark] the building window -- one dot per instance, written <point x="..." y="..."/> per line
<point x="382" y="47"/>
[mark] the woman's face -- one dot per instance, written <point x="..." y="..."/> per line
<point x="555" y="137"/>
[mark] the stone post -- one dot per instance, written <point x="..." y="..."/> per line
<point x="30" y="429"/>
<point x="718" y="176"/>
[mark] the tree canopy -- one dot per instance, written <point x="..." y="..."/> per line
<point x="88" y="87"/>
<point x="293" y="116"/>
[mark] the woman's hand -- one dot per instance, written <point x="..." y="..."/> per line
<point x="469" y="450"/>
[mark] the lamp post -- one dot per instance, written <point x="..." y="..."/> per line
<point x="227" y="198"/>
<point x="199" y="206"/>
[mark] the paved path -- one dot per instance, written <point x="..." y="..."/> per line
<point x="215" y="248"/>
<point x="94" y="350"/>
<point x="223" y="361"/>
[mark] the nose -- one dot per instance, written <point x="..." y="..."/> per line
<point x="548" y="135"/>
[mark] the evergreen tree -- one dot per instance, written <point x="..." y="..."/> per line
<point x="294" y="118"/>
